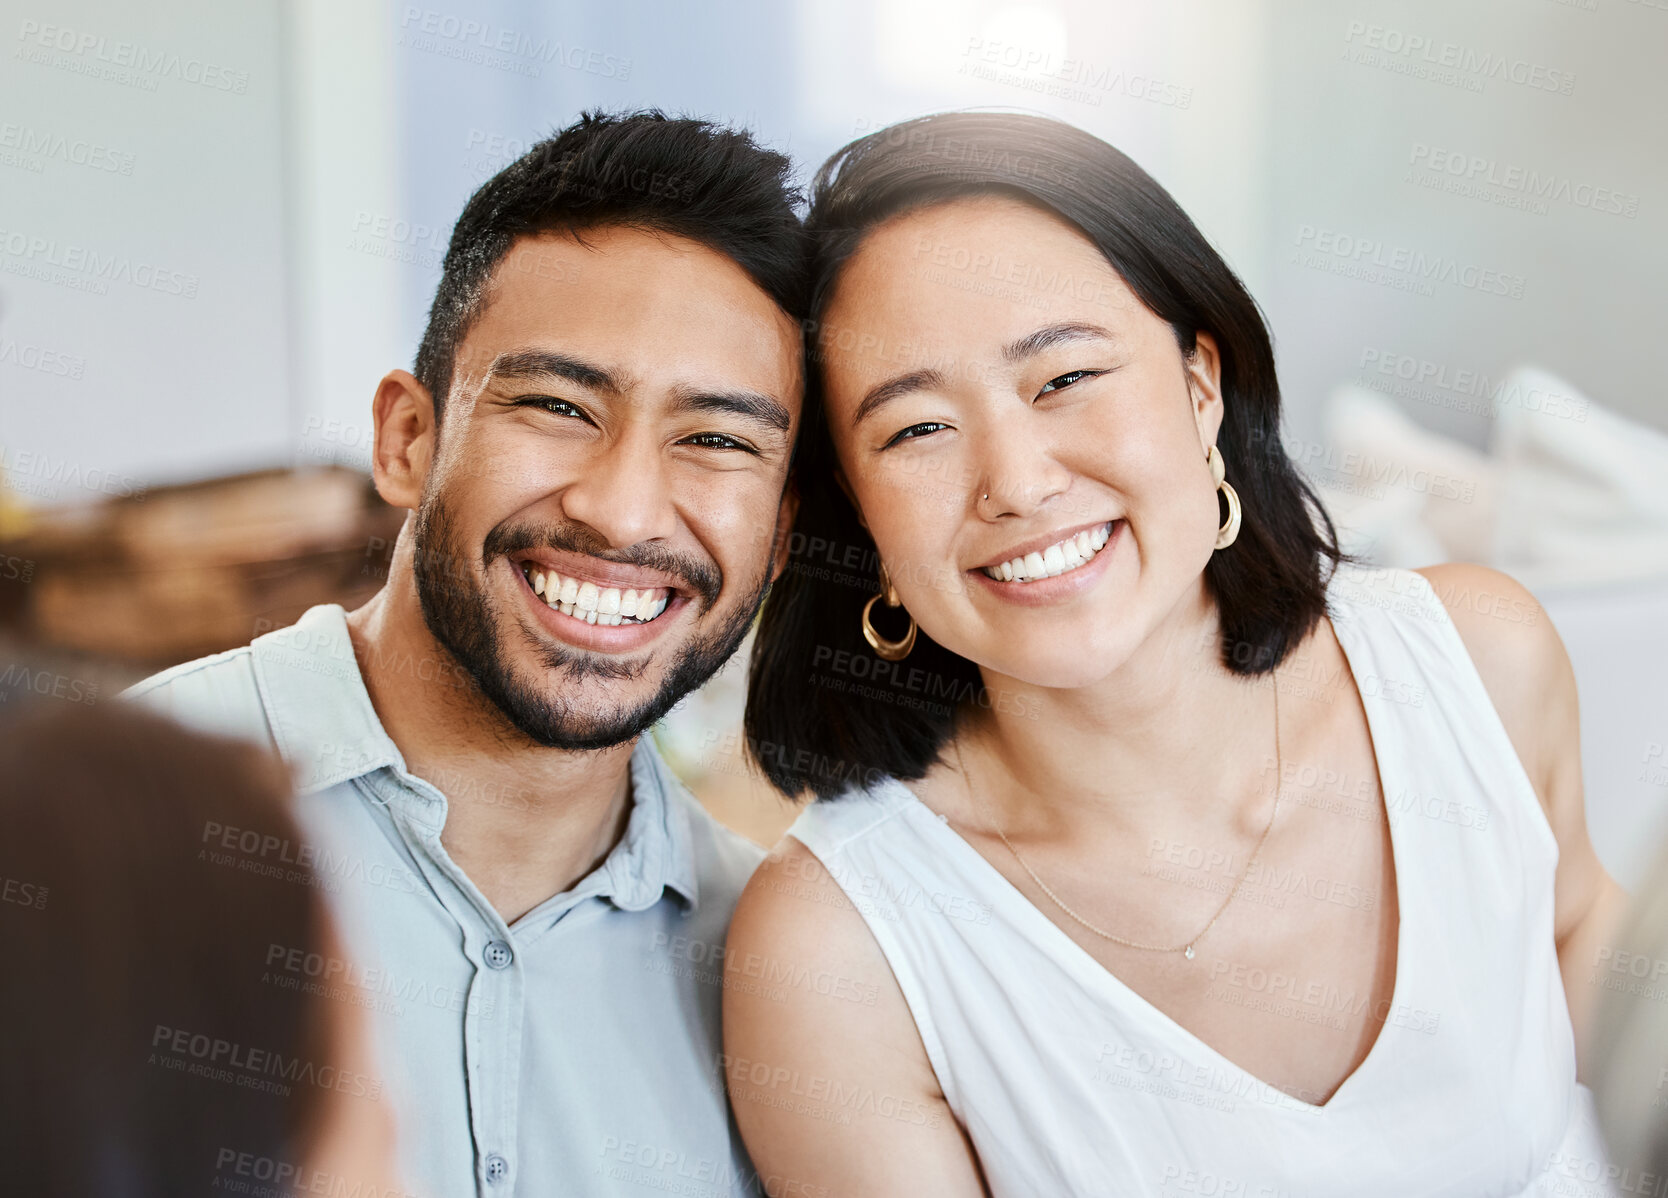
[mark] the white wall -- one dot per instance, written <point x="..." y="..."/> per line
<point x="1180" y="87"/>
<point x="1345" y="157"/>
<point x="263" y="193"/>
<point x="311" y="203"/>
<point x="343" y="147"/>
<point x="158" y="286"/>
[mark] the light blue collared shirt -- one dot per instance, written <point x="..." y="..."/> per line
<point x="573" y="1053"/>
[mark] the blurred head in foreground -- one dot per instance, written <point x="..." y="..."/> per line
<point x="148" y="1049"/>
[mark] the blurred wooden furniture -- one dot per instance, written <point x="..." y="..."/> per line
<point x="177" y="572"/>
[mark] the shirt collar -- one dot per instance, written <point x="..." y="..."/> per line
<point x="328" y="732"/>
<point x="657" y="849"/>
<point x="315" y="699"/>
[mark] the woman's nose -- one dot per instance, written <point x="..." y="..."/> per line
<point x="1018" y="470"/>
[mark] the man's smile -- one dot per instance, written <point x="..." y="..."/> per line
<point x="585" y="600"/>
<point x="590" y="603"/>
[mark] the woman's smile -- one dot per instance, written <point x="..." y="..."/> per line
<point x="1062" y="566"/>
<point x="1054" y="556"/>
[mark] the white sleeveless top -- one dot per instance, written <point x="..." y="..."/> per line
<point x="1069" y="1083"/>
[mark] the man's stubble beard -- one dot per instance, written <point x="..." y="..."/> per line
<point x="462" y="617"/>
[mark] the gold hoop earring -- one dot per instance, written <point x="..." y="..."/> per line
<point x="1229" y="531"/>
<point x="885" y="649"/>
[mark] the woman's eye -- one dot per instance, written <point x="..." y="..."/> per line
<point x="923" y="429"/>
<point x="1066" y="380"/>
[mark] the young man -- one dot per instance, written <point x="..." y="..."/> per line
<point x="593" y="449"/>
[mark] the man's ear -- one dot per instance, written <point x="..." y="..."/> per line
<point x="403" y="412"/>
<point x="785" y="513"/>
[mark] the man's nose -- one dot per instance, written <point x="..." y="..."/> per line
<point x="623" y="492"/>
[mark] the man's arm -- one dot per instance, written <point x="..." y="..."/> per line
<point x="830" y="1082"/>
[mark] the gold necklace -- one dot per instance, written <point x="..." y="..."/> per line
<point x="1185" y="948"/>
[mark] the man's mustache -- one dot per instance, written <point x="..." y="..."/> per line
<point x="698" y="575"/>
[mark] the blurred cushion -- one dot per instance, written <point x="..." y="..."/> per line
<point x="1583" y="499"/>
<point x="1401" y="494"/>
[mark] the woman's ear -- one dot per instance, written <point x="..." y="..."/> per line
<point x="840" y="477"/>
<point x="1203" y="368"/>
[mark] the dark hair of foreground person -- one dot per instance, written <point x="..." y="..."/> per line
<point x="148" y="873"/>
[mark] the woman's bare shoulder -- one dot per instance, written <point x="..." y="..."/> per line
<point x="814" y="1022"/>
<point x="794" y="917"/>
<point x="1519" y="657"/>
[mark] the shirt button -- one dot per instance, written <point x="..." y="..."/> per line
<point x="498" y="956"/>
<point x="497" y="1168"/>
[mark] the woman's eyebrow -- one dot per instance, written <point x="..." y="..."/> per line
<point x="1052" y="335"/>
<point x="883" y="393"/>
<point x="1027" y="346"/>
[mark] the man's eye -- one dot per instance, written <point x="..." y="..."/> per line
<point x="914" y="431"/>
<point x="717" y="441"/>
<point x="1065" y="380"/>
<point x="557" y="407"/>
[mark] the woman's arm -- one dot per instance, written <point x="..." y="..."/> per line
<point x="829" y="1080"/>
<point x="1528" y="675"/>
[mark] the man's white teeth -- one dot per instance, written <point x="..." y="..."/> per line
<point x="597" y="605"/>
<point x="1059" y="558"/>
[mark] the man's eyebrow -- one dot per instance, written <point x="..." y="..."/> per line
<point x="1052" y="335"/>
<point x="750" y="405"/>
<point x="884" y="393"/>
<point x="522" y="365"/>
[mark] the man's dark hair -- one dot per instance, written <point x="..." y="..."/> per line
<point x="1269" y="587"/>
<point x="647" y="170"/>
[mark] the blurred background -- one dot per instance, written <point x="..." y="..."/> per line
<point x="221" y="224"/>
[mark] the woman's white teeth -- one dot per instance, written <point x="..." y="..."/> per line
<point x="597" y="605"/>
<point x="1059" y="558"/>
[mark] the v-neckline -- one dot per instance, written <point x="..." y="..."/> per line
<point x="1086" y="961"/>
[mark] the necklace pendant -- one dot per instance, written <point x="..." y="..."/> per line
<point x="1188" y="952"/>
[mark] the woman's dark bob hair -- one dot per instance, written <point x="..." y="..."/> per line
<point x="824" y="713"/>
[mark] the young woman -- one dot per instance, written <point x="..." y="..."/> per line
<point x="1155" y="849"/>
